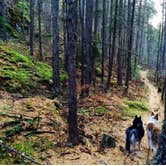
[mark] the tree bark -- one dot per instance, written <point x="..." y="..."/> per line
<point x="32" y="3"/>
<point x="130" y="44"/>
<point x="160" y="158"/>
<point x="138" y="34"/>
<point x="71" y="53"/>
<point x="119" y="59"/>
<point x="40" y="32"/>
<point x="111" y="58"/>
<point x="103" y="43"/>
<point x="55" y="49"/>
<point x="88" y="49"/>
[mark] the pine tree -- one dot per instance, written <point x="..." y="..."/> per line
<point x="32" y="3"/>
<point x="71" y="53"/>
<point x="55" y="51"/>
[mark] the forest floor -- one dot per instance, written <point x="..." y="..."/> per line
<point x="114" y="155"/>
<point x="50" y="148"/>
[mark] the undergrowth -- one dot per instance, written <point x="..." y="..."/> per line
<point x="131" y="108"/>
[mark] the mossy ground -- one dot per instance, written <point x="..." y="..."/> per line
<point x="131" y="108"/>
<point x="21" y="73"/>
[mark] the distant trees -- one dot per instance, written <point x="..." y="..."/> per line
<point x="3" y="34"/>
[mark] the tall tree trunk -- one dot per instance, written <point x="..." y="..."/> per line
<point x="160" y="158"/>
<point x="96" y="18"/>
<point x="138" y="34"/>
<point x="110" y="28"/>
<point x="119" y="59"/>
<point x="65" y="36"/>
<point x="96" y="22"/>
<point x="3" y="33"/>
<point x="164" y="46"/>
<point x="88" y="49"/>
<point x="124" y="34"/>
<point x="130" y="45"/>
<point x="55" y="49"/>
<point x="39" y="26"/>
<point x="71" y="53"/>
<point x="158" y="56"/>
<point x="32" y="3"/>
<point x="111" y="58"/>
<point x="103" y="43"/>
<point x="83" y="44"/>
<point x="141" y="48"/>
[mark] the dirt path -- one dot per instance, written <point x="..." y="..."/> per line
<point x="115" y="156"/>
<point x="154" y="97"/>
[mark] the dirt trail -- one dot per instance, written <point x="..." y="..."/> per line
<point x="115" y="156"/>
<point x="154" y="97"/>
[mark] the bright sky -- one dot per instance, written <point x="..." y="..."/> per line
<point x="157" y="18"/>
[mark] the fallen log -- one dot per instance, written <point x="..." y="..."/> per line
<point x="11" y="150"/>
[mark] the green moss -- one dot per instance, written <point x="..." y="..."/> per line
<point x="98" y="71"/>
<point x="137" y="105"/>
<point x="132" y="108"/>
<point x="83" y="111"/>
<point x="100" y="110"/>
<point x="63" y="76"/>
<point x="24" y="147"/>
<point x="44" y="71"/>
<point x="23" y="8"/>
<point x="43" y="143"/>
<point x="19" y="73"/>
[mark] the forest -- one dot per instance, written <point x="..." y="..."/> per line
<point x="82" y="82"/>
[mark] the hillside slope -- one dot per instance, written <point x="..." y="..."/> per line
<point x="20" y="73"/>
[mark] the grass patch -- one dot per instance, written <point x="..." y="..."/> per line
<point x="132" y="108"/>
<point x="100" y="110"/>
<point x="43" y="144"/>
<point x="83" y="111"/>
<point x="24" y="147"/>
